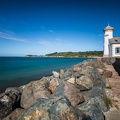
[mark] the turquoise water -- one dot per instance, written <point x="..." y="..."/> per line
<point x="16" y="71"/>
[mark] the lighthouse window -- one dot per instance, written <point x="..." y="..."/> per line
<point x="117" y="50"/>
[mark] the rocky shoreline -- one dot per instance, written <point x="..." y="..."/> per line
<point x="79" y="92"/>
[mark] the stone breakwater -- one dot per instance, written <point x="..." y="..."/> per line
<point x="75" y="93"/>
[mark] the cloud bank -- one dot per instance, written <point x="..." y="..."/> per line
<point x="11" y="36"/>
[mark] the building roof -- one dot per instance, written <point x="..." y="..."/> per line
<point x="108" y="28"/>
<point x="115" y="40"/>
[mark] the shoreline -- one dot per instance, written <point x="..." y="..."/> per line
<point x="32" y="69"/>
<point x="17" y="82"/>
<point x="79" y="86"/>
<point x="52" y="57"/>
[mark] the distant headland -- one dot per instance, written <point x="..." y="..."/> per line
<point x="76" y="54"/>
<point x="71" y="54"/>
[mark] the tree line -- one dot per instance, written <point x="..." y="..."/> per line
<point x="77" y="54"/>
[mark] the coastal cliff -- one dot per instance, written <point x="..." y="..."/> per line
<point x="79" y="92"/>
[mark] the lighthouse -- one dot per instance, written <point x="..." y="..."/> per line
<point x="108" y="34"/>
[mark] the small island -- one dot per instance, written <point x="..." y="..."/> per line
<point x="29" y="55"/>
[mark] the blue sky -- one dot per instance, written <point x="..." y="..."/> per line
<point x="44" y="26"/>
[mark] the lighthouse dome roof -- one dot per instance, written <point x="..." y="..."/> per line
<point x="108" y="28"/>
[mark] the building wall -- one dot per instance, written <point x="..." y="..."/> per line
<point x="110" y="50"/>
<point x="114" y="46"/>
<point x="107" y="35"/>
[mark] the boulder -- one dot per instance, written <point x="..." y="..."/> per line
<point x="62" y="110"/>
<point x="99" y="94"/>
<point x="52" y="109"/>
<point x="92" y="110"/>
<point x="101" y="71"/>
<point x="69" y="91"/>
<point x="58" y="106"/>
<point x="109" y="93"/>
<point x="6" y="106"/>
<point x="36" y="111"/>
<point x="53" y="84"/>
<point x="61" y="73"/>
<point x="21" y="88"/>
<point x="95" y="64"/>
<point x="33" y="91"/>
<point x="84" y="82"/>
<point x="107" y="74"/>
<point x="86" y="70"/>
<point x="14" y="94"/>
<point x="108" y="60"/>
<point x="112" y="114"/>
<point x="55" y="74"/>
<point x="14" y="115"/>
<point x="92" y="73"/>
<point x="107" y="83"/>
<point x="97" y="78"/>
<point x="67" y="74"/>
<point x="71" y="80"/>
<point x="77" y="67"/>
<point x="9" y="101"/>
<point x="77" y="74"/>
<point x="45" y="81"/>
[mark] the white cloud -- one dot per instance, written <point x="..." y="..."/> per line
<point x="45" y="43"/>
<point x="11" y="36"/>
<point x="50" y="44"/>
<point x="55" y="43"/>
<point x="51" y="31"/>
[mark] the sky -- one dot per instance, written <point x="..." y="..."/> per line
<point x="40" y="27"/>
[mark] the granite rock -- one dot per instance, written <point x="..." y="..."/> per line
<point x="52" y="109"/>
<point x="33" y="91"/>
<point x="9" y="101"/>
<point x="99" y="94"/>
<point x="107" y="74"/>
<point x="55" y="74"/>
<point x="14" y="115"/>
<point x="84" y="82"/>
<point x="71" y="80"/>
<point x="54" y="82"/>
<point x="69" y="91"/>
<point x="92" y="110"/>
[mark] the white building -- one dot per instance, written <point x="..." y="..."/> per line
<point x="111" y="43"/>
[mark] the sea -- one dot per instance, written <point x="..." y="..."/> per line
<point x="17" y="71"/>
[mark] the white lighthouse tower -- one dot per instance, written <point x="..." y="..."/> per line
<point x="108" y="34"/>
